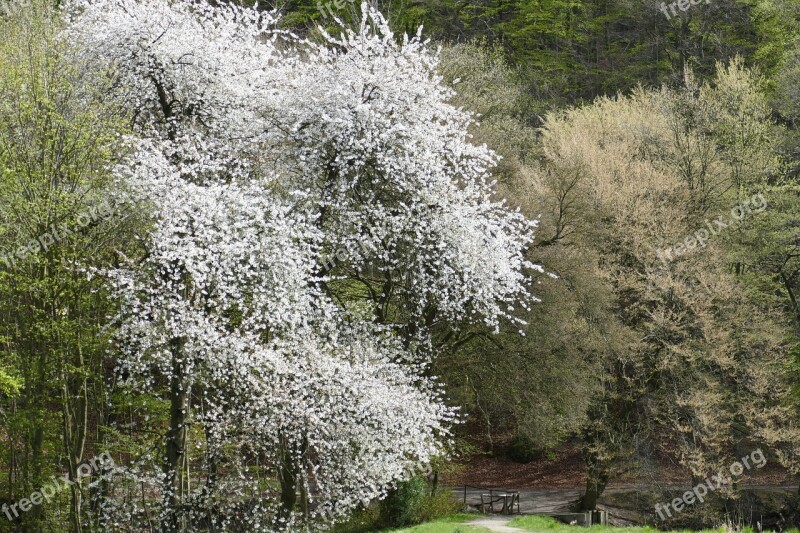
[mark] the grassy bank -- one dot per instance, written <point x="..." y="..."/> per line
<point x="450" y="524"/>
<point x="545" y="524"/>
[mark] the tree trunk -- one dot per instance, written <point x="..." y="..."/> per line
<point x="212" y="475"/>
<point x="288" y="480"/>
<point x="174" y="468"/>
<point x="37" y="460"/>
<point x="595" y="485"/>
<point x="291" y="464"/>
<point x="597" y="477"/>
<point x="74" y="411"/>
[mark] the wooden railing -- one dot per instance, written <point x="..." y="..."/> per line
<point x="490" y="497"/>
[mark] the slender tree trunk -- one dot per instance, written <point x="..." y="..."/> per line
<point x="212" y="469"/>
<point x="174" y="468"/>
<point x="38" y="404"/>
<point x="74" y="408"/>
<point x="37" y="460"/>
<point x="288" y="480"/>
<point x="12" y="467"/>
<point x="99" y="493"/>
<point x="291" y="463"/>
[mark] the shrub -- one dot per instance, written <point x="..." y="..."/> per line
<point x="403" y="506"/>
<point x="523" y="450"/>
<point x="362" y="521"/>
<point x="413" y="503"/>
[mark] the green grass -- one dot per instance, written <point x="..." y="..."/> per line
<point x="550" y="525"/>
<point x="536" y="524"/>
<point x="545" y="524"/>
<point x="450" y="524"/>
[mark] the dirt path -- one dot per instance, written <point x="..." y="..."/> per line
<point x="496" y="524"/>
<point x="558" y="500"/>
<point x="530" y="501"/>
<point x="566" y="469"/>
<point x="619" y="502"/>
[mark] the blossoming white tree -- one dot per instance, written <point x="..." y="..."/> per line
<point x="222" y="309"/>
<point x="260" y="155"/>
<point x="405" y="200"/>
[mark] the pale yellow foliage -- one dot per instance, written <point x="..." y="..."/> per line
<point x="647" y="170"/>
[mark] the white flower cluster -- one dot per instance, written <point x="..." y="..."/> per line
<point x="257" y="154"/>
<point x="385" y="156"/>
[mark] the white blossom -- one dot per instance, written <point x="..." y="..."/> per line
<point x="257" y="155"/>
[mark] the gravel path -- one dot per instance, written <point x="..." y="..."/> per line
<point x="558" y="500"/>
<point x="496" y="524"/>
<point x="530" y="501"/>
